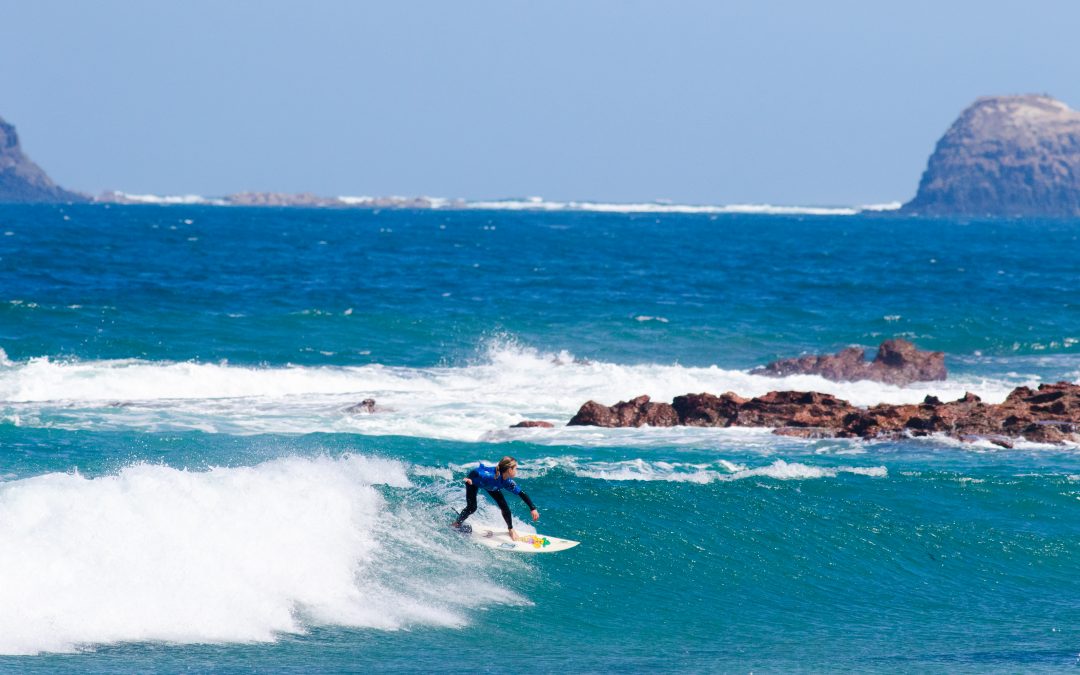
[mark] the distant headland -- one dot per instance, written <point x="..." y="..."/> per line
<point x="1005" y="156"/>
<point x="23" y="181"/>
<point x="1011" y="156"/>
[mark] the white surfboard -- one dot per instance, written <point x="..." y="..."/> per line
<point x="526" y="543"/>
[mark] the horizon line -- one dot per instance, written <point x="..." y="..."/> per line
<point x="278" y="199"/>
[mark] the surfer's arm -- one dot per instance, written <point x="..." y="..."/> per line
<point x="528" y="502"/>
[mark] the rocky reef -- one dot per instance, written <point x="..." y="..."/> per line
<point x="1008" y="156"/>
<point x="1049" y="414"/>
<point x="21" y="180"/>
<point x="897" y="362"/>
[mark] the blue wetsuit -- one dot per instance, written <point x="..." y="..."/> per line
<point x="487" y="477"/>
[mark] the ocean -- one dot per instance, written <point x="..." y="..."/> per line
<point x="182" y="487"/>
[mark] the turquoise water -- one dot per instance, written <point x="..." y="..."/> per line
<point x="181" y="489"/>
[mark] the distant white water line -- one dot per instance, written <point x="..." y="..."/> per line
<point x="531" y="204"/>
<point x="887" y="206"/>
<point x="168" y="200"/>
<point x="538" y="204"/>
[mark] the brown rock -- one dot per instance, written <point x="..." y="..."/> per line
<point x="897" y="362"/>
<point x="1046" y="432"/>
<point x="365" y="406"/>
<point x="633" y="413"/>
<point x="1050" y="414"/>
<point x="531" y="424"/>
<point x="706" y="410"/>
<point x="1000" y="441"/>
<point x="900" y="362"/>
<point x="845" y="365"/>
<point x="794" y="408"/>
<point x="805" y="432"/>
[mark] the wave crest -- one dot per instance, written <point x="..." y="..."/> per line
<point x="154" y="553"/>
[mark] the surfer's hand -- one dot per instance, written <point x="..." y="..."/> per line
<point x="468" y="481"/>
<point x="535" y="514"/>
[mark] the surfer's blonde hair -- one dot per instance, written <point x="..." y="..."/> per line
<point x="507" y="463"/>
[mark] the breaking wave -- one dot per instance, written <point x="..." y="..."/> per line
<point x="480" y="401"/>
<point x="153" y="553"/>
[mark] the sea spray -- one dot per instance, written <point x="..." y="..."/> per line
<point x="154" y="553"/>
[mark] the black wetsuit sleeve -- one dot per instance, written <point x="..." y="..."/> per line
<point x="528" y="502"/>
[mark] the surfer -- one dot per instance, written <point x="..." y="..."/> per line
<point x="494" y="479"/>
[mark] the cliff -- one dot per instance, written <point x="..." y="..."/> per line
<point x="23" y="181"/>
<point x="1005" y="155"/>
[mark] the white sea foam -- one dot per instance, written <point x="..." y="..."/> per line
<point x="981" y="445"/>
<point x="472" y="402"/>
<point x="640" y="469"/>
<point x="782" y="470"/>
<point x="166" y="199"/>
<point x="538" y="204"/>
<point x="887" y="206"/>
<point x="154" y="553"/>
<point x="356" y="201"/>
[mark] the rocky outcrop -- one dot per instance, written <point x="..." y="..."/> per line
<point x="279" y="199"/>
<point x="1049" y="414"/>
<point x="897" y="362"/>
<point x="1005" y="155"/>
<point x="366" y="406"/>
<point x="23" y="181"/>
<point x="637" y="412"/>
<point x="532" y="424"/>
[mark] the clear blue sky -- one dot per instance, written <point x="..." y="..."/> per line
<point x="697" y="101"/>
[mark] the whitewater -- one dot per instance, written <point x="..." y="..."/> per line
<point x="186" y="482"/>
<point x="468" y="403"/>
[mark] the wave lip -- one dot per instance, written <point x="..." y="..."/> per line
<point x="154" y="553"/>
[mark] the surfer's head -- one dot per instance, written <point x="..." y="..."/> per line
<point x="507" y="467"/>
